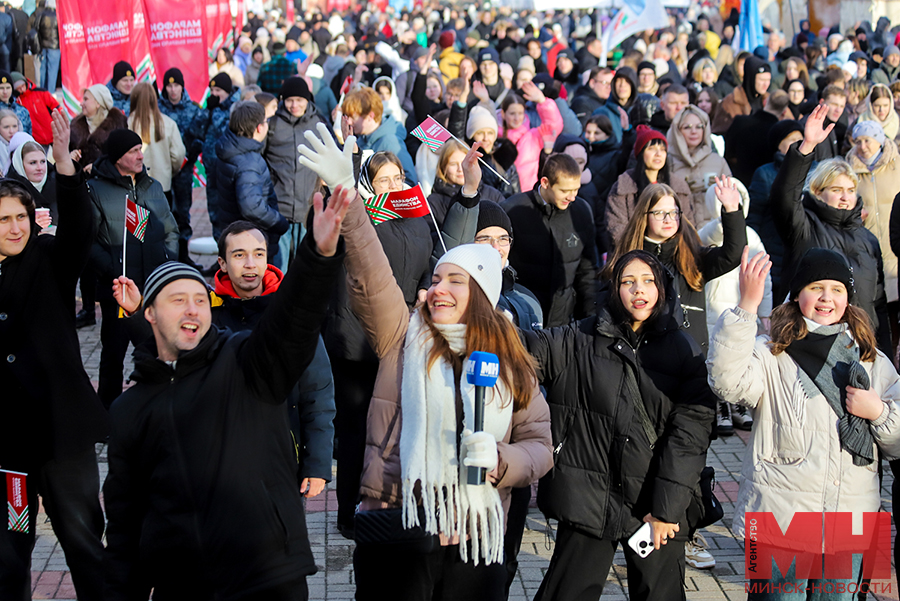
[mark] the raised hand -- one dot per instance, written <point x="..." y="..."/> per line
<point x="59" y="125"/>
<point x="481" y="92"/>
<point x="126" y="293"/>
<point x="548" y="136"/>
<point x="531" y="92"/>
<point x="432" y="50"/>
<point x="728" y="194"/>
<point x="472" y="170"/>
<point x="815" y="132"/>
<point x="333" y="165"/>
<point x="327" y="221"/>
<point x="752" y="279"/>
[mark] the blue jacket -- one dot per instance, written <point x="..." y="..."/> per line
<point x="390" y="137"/>
<point x="244" y="186"/>
<point x="183" y="113"/>
<point x="120" y="100"/>
<point x="210" y="126"/>
<point x="21" y="112"/>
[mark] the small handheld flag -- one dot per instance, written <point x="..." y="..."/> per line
<point x="395" y="205"/>
<point x="16" y="501"/>
<point x="432" y="134"/>
<point x="136" y="218"/>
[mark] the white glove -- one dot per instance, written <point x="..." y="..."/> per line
<point x="323" y="156"/>
<point x="481" y="449"/>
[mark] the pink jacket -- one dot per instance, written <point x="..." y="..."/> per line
<point x="529" y="143"/>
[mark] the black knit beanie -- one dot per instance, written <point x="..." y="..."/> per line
<point x="490" y="214"/>
<point x="821" y="264"/>
<point x="222" y="80"/>
<point x="120" y="70"/>
<point x="119" y="142"/>
<point x="173" y="75"/>
<point x="295" y="86"/>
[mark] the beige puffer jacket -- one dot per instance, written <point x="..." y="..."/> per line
<point x="698" y="168"/>
<point x="162" y="158"/>
<point x="878" y="185"/>
<point x="526" y="450"/>
<point x="794" y="462"/>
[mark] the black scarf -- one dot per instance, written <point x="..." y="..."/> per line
<point x="828" y="366"/>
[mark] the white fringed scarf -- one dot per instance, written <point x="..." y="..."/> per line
<point x="428" y="447"/>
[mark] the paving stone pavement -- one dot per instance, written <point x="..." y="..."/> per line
<point x="334" y="554"/>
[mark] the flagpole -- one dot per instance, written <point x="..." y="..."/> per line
<point x="124" y="235"/>
<point x="434" y="221"/>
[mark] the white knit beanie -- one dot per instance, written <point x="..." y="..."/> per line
<point x="480" y="118"/>
<point x="482" y="263"/>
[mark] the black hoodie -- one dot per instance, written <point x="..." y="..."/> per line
<point x="753" y="66"/>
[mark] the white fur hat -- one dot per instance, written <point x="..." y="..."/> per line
<point x="482" y="263"/>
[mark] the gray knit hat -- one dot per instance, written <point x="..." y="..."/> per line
<point x="167" y="273"/>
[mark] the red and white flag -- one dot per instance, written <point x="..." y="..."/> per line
<point x="432" y="134"/>
<point x="396" y="205"/>
<point x="136" y="218"/>
<point x="17" y="501"/>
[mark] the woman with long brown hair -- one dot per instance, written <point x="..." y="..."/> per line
<point x="657" y="226"/>
<point x="824" y="399"/>
<point x="419" y="439"/>
<point x="449" y="178"/>
<point x="162" y="145"/>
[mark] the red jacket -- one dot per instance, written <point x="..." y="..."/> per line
<point x="40" y="103"/>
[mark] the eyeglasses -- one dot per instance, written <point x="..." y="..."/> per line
<point x="695" y="127"/>
<point x="674" y="215"/>
<point x="383" y="182"/>
<point x="499" y="240"/>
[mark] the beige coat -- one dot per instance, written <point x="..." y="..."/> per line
<point x="698" y="167"/>
<point x="878" y="186"/>
<point x="163" y="158"/>
<point x="794" y="461"/>
<point x="526" y="450"/>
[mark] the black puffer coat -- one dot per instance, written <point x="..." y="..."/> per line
<point x="245" y="187"/>
<point x="805" y="222"/>
<point x="49" y="408"/>
<point x="108" y="191"/>
<point x="607" y="476"/>
<point x="554" y="254"/>
<point x="202" y="484"/>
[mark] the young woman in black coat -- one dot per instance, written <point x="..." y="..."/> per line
<point x="632" y="415"/>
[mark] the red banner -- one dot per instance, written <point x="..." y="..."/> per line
<point x="176" y="40"/>
<point x="152" y="35"/>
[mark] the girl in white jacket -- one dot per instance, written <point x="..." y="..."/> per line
<point x="723" y="292"/>
<point x="824" y="403"/>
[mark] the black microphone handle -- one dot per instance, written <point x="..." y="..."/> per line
<point x="478" y="475"/>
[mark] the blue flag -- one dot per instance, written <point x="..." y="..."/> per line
<point x="749" y="34"/>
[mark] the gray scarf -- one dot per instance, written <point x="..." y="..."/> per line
<point x="829" y="362"/>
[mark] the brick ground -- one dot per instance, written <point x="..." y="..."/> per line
<point x="334" y="554"/>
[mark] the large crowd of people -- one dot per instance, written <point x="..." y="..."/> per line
<point x="662" y="242"/>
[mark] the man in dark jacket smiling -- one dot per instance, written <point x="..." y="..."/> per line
<point x="202" y="498"/>
<point x="555" y="254"/>
<point x="51" y="416"/>
<point x="120" y="173"/>
<point x="242" y="177"/>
